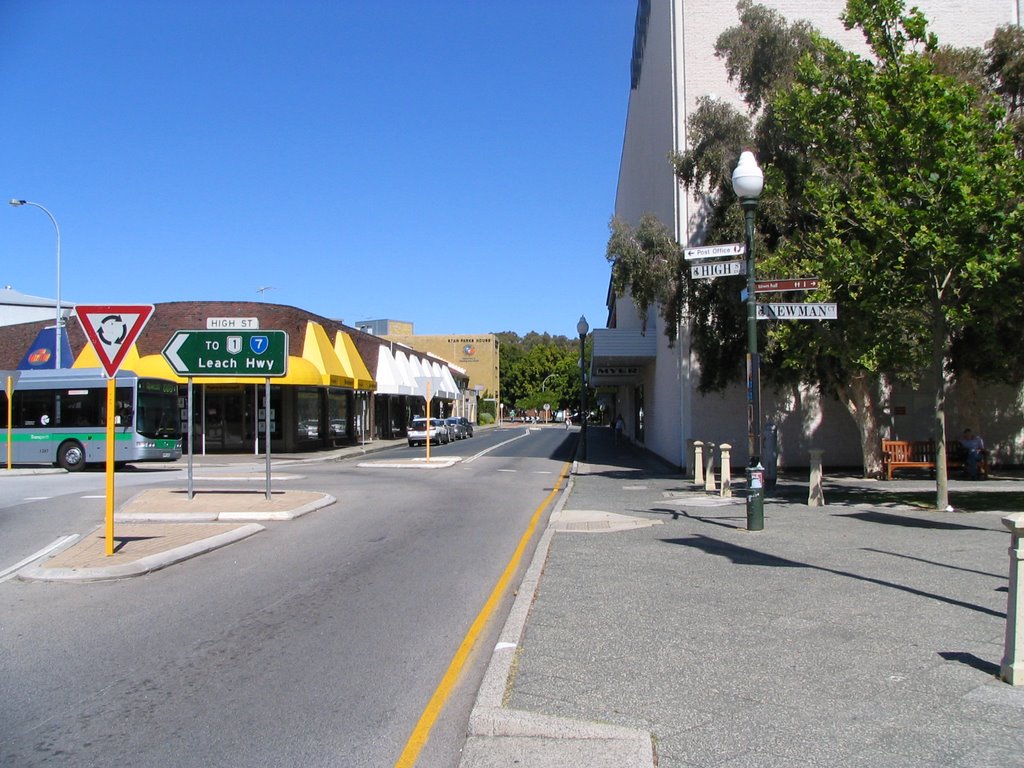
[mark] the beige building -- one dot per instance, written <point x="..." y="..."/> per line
<point x="476" y="353"/>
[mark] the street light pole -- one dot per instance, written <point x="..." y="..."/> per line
<point x="582" y="328"/>
<point x="56" y="333"/>
<point x="747" y="183"/>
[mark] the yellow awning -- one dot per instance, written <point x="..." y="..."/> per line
<point x="318" y="351"/>
<point x="346" y="350"/>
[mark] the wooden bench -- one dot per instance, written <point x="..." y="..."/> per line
<point x="920" y="454"/>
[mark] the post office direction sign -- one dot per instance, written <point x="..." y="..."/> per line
<point x="714" y="251"/>
<point x="228" y="353"/>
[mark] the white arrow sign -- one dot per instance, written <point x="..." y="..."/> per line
<point x="714" y="251"/>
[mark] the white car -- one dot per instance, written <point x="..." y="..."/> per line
<point x="418" y="431"/>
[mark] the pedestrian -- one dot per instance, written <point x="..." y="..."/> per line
<point x="975" y="448"/>
<point x="620" y="425"/>
<point x="568" y="420"/>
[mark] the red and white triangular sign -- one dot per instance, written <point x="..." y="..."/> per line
<point x="112" y="329"/>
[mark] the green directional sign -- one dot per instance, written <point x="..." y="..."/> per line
<point x="228" y="353"/>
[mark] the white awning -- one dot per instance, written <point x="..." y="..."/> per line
<point x="389" y="376"/>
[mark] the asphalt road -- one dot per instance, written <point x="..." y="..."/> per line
<point x="317" y="642"/>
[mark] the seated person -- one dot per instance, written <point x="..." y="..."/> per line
<point x="974" y="448"/>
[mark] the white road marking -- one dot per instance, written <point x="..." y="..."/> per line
<point x="101" y="496"/>
<point x="37" y="498"/>
<point x="508" y="470"/>
<point x="488" y="450"/>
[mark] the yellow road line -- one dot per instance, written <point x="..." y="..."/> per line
<point x="420" y="734"/>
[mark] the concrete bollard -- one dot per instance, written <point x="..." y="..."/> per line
<point x="1011" y="670"/>
<point x="698" y="462"/>
<point x="815" y="495"/>
<point x="709" y="470"/>
<point x="726" y="491"/>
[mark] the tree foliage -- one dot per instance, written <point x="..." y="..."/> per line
<point x="895" y="178"/>
<point x="538" y="369"/>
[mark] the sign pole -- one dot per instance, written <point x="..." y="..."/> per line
<point x="428" y="422"/>
<point x="111" y="402"/>
<point x="10" y="434"/>
<point x="266" y="430"/>
<point x="191" y="436"/>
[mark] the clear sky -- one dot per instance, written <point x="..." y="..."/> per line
<point x="452" y="163"/>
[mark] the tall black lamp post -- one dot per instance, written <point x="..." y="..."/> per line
<point x="583" y="328"/>
<point x="747" y="183"/>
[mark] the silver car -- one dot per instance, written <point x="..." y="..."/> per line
<point x="419" y="431"/>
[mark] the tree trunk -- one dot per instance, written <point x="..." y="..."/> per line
<point x="939" y="361"/>
<point x="860" y="396"/>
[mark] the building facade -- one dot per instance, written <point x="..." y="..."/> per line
<point x="654" y="385"/>
<point x="329" y="397"/>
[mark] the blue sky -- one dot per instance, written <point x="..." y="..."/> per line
<point x="450" y="163"/>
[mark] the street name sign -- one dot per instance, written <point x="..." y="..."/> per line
<point x="799" y="284"/>
<point x="233" y="323"/>
<point x="228" y="353"/>
<point x="808" y="311"/>
<point x="713" y="269"/>
<point x="714" y="251"/>
<point x="112" y="329"/>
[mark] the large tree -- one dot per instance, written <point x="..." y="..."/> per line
<point x="912" y="187"/>
<point x="876" y="181"/>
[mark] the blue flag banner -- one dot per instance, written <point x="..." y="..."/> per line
<point x="41" y="353"/>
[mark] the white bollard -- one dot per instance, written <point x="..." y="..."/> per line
<point x="698" y="462"/>
<point x="815" y="494"/>
<point x="1011" y="670"/>
<point x="709" y="470"/>
<point x="726" y="491"/>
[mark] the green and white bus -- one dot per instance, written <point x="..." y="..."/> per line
<point x="60" y="417"/>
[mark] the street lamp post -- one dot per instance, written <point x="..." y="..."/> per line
<point x="56" y="333"/>
<point x="747" y="183"/>
<point x="583" y="328"/>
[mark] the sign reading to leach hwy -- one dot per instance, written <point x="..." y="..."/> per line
<point x="228" y="353"/>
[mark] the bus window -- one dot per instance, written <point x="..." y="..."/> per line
<point x="32" y="408"/>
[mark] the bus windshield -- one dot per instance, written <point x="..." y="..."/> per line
<point x="157" y="410"/>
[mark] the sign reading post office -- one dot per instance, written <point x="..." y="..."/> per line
<point x="228" y="353"/>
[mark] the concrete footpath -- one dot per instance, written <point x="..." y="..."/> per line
<point x="653" y="629"/>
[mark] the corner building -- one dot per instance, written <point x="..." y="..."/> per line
<point x="654" y="386"/>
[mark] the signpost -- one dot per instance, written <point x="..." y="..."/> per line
<point x="12" y="379"/>
<point x="714" y="251"/>
<point x="111" y="330"/>
<point x="714" y="269"/>
<point x="800" y="284"/>
<point x="228" y="353"/>
<point x="807" y="311"/>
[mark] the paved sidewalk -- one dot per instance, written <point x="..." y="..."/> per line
<point x="862" y="633"/>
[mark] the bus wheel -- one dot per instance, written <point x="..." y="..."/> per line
<point x="71" y="456"/>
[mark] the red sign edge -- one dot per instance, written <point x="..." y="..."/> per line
<point x="145" y="313"/>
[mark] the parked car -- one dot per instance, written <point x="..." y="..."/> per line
<point x="418" y="431"/>
<point x="456" y="428"/>
<point x="467" y="426"/>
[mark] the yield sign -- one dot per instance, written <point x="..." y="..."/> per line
<point x="112" y="329"/>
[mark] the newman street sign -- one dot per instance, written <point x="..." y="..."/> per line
<point x="799" y="284"/>
<point x="228" y="353"/>
<point x="714" y="251"/>
<point x="807" y="311"/>
<point x="712" y="269"/>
